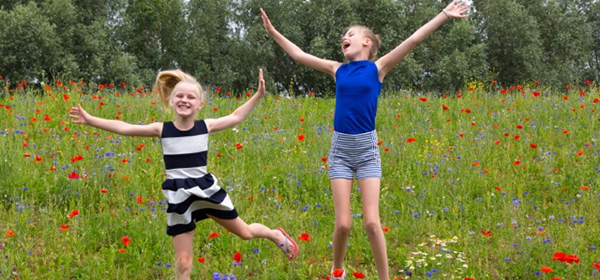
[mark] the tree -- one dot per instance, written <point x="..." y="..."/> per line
<point x="566" y="38"/>
<point x="30" y="45"/>
<point x="512" y="38"/>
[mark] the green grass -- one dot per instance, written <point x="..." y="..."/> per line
<point x="438" y="192"/>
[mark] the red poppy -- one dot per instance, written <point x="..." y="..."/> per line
<point x="73" y="213"/>
<point x="301" y="137"/>
<point x="519" y="126"/>
<point x="73" y="175"/>
<point x="498" y="188"/>
<point x="444" y="107"/>
<point x="238" y="146"/>
<point x="201" y="259"/>
<point x="139" y="199"/>
<point x="597" y="266"/>
<point x="10" y="233"/>
<point x="337" y="273"/>
<point x="516" y="162"/>
<point x="579" y="153"/>
<point x="104" y="190"/>
<point x="410" y="140"/>
<point x="64" y="227"/>
<point x="486" y="232"/>
<point x="386" y="229"/>
<point x="358" y="275"/>
<point x="126" y="240"/>
<point x="237" y="257"/>
<point x="304" y="237"/>
<point x="213" y="235"/>
<point x="536" y="94"/>
<point x="517" y="137"/>
<point x="301" y="120"/>
<point x="565" y="131"/>
<point x="546" y="269"/>
<point x="533" y="146"/>
<point x="324" y="159"/>
<point x="423" y="99"/>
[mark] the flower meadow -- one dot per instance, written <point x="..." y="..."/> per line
<point x="483" y="183"/>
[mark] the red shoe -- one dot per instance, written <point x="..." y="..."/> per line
<point x="290" y="254"/>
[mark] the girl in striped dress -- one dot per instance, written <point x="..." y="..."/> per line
<point x="354" y="151"/>
<point x="193" y="194"/>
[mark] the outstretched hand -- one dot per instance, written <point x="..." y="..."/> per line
<point x="79" y="115"/>
<point x="261" y="83"/>
<point x="266" y="22"/>
<point x="457" y="9"/>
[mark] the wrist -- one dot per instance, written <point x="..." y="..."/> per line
<point x="446" y="13"/>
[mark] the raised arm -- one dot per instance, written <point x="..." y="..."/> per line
<point x="309" y="60"/>
<point x="456" y="9"/>
<point x="241" y="112"/>
<point x="80" y="116"/>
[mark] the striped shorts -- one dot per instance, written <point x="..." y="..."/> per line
<point x="354" y="154"/>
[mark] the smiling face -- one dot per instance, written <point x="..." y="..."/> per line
<point x="186" y="99"/>
<point x="355" y="45"/>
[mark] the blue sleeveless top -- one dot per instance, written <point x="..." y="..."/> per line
<point x="357" y="89"/>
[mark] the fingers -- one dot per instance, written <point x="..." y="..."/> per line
<point x="265" y="19"/>
<point x="261" y="82"/>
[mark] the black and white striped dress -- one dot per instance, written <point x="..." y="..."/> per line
<point x="190" y="190"/>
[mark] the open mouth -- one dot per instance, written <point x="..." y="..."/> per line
<point x="345" y="45"/>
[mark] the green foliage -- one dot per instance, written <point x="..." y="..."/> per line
<point x="441" y="169"/>
<point x="223" y="43"/>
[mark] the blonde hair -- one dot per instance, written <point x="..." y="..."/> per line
<point x="376" y="41"/>
<point x="166" y="82"/>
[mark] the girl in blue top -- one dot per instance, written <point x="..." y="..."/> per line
<point x="354" y="149"/>
<point x="193" y="194"/>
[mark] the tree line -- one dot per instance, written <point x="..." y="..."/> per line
<point x="223" y="43"/>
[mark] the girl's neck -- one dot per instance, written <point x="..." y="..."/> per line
<point x="359" y="57"/>
<point x="184" y="123"/>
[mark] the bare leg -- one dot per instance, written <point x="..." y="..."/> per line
<point x="369" y="190"/>
<point x="255" y="230"/>
<point x="184" y="247"/>
<point x="341" y="189"/>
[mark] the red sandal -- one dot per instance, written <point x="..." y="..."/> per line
<point x="291" y="254"/>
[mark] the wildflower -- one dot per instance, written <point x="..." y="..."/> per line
<point x="301" y="137"/>
<point x="546" y="269"/>
<point x="10" y="233"/>
<point x="126" y="240"/>
<point x="338" y="273"/>
<point x="201" y="259"/>
<point x="358" y="275"/>
<point x="304" y="237"/>
<point x="73" y="213"/>
<point x="237" y="257"/>
<point x="213" y="235"/>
